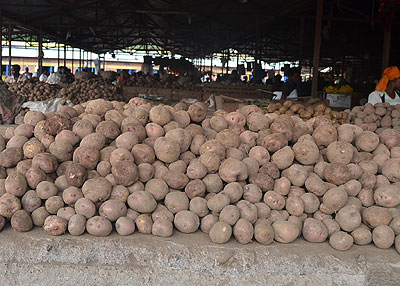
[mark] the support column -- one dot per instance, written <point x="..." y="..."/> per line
<point x="317" y="46"/>
<point x="211" y="71"/>
<point x="80" y="58"/>
<point x="386" y="49"/>
<point x="72" y="61"/>
<point x="9" y="49"/>
<point x="40" y="54"/>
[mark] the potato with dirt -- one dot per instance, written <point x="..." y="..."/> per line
<point x="96" y="189"/>
<point x="77" y="224"/>
<point x="285" y="231"/>
<point x="220" y="232"/>
<point x="341" y="240"/>
<point x="349" y="218"/>
<point x="186" y="221"/>
<point x="383" y="236"/>
<point x="98" y="226"/>
<point x="243" y="231"/>
<point x="21" y="221"/>
<point x="113" y="210"/>
<point x="314" y="230"/>
<point x="125" y="226"/>
<point x="55" y="225"/>
<point x="386" y="196"/>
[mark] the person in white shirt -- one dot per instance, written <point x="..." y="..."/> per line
<point x="43" y="77"/>
<point x="388" y="88"/>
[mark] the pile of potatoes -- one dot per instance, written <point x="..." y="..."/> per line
<point x="376" y="118"/>
<point x="152" y="169"/>
<point x="83" y="90"/>
<point x="34" y="90"/>
<point x="307" y="110"/>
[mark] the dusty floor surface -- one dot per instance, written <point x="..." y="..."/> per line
<point x="35" y="258"/>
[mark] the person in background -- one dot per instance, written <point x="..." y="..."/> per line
<point x="233" y="77"/>
<point x="277" y="85"/>
<point x="27" y="74"/>
<point x="15" y="75"/>
<point x="388" y="87"/>
<point x="123" y="77"/>
<point x="289" y="89"/>
<point x="3" y="76"/>
<point x="43" y="77"/>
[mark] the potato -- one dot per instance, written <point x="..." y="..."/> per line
<point x="263" y="232"/>
<point x="32" y="147"/>
<point x="112" y="209"/>
<point x="260" y="154"/>
<point x="125" y="173"/>
<point x="46" y="190"/>
<point x="75" y="175"/>
<point x="103" y="168"/>
<point x="361" y="236"/>
<point x="391" y="170"/>
<point x="162" y="228"/>
<point x="211" y="161"/>
<point x="230" y="214"/>
<point x="305" y="151"/>
<point x="367" y="141"/>
<point x="47" y="140"/>
<point x="16" y="184"/>
<point x="386" y="196"/>
<point x="340" y="152"/>
<point x="198" y="206"/>
<point x="395" y="224"/>
<point x="324" y="135"/>
<point x="252" y="193"/>
<point x="61" y="150"/>
<point x="178" y="166"/>
<point x="207" y="222"/>
<point x="243" y="231"/>
<point x="337" y="173"/>
<point x="196" y="170"/>
<point x="248" y="211"/>
<point x="283" y="158"/>
<point x="311" y="202"/>
<point x="234" y="191"/>
<point x="341" y="240"/>
<point x="125" y="226"/>
<point x="109" y="129"/>
<point x="55" y="225"/>
<point x="17" y="141"/>
<point x="160" y="114"/>
<point x="285" y="231"/>
<point x="366" y="197"/>
<point x="30" y="201"/>
<point x="10" y="157"/>
<point x="126" y="140"/>
<point x="274" y="200"/>
<point x="34" y="176"/>
<point x="352" y="187"/>
<point x="295" y="206"/>
<point x="21" y="221"/>
<point x="274" y="142"/>
<point x="85" y="207"/>
<point x="87" y="157"/>
<point x="66" y="213"/>
<point x="142" y="202"/>
<point x="334" y="199"/>
<point x="220" y="232"/>
<point x="144" y="223"/>
<point x="82" y="128"/>
<point x="314" y="230"/>
<point x="98" y="226"/>
<point x="195" y="188"/>
<point x="119" y="155"/>
<point x="218" y="202"/>
<point x="331" y="225"/>
<point x="282" y="186"/>
<point x="375" y="216"/>
<point x="166" y="149"/>
<point x="96" y="189"/>
<point x="297" y="174"/>
<point x="158" y="188"/>
<point x="349" y="218"/>
<point x="161" y="212"/>
<point x="390" y="137"/>
<point x="77" y="224"/>
<point x="53" y="204"/>
<point x="39" y="215"/>
<point x="94" y="140"/>
<point x="186" y="221"/>
<point x="383" y="236"/>
<point x="106" y="152"/>
<point x="68" y="136"/>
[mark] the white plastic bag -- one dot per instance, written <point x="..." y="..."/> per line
<point x="50" y="105"/>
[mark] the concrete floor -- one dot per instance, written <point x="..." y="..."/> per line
<point x="35" y="258"/>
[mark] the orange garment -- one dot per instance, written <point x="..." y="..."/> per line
<point x="389" y="74"/>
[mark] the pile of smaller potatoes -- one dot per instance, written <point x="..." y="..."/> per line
<point x="34" y="90"/>
<point x="252" y="175"/>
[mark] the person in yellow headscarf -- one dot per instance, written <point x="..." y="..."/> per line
<point x="388" y="87"/>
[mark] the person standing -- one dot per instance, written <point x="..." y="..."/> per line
<point x="15" y="75"/>
<point x="388" y="87"/>
<point x="289" y="89"/>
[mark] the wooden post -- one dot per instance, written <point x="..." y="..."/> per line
<point x="9" y="49"/>
<point x="211" y="71"/>
<point x="80" y="58"/>
<point x="386" y="48"/>
<point x="40" y="54"/>
<point x="317" y="46"/>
